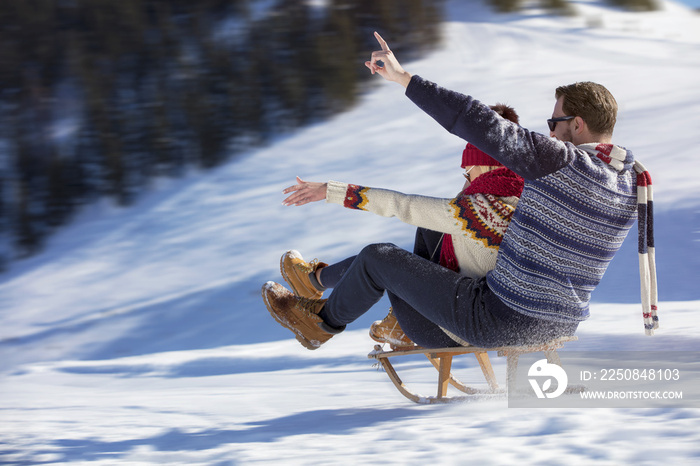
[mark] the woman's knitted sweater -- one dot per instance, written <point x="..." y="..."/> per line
<point x="476" y="222"/>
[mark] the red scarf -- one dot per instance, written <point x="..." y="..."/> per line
<point x="500" y="182"/>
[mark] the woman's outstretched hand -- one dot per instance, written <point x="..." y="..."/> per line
<point x="390" y="69"/>
<point x="305" y="192"/>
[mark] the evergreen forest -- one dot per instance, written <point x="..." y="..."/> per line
<point x="100" y="97"/>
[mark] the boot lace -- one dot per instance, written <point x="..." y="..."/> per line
<point x="307" y="267"/>
<point x="307" y="305"/>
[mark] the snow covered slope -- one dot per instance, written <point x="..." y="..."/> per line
<point x="139" y="335"/>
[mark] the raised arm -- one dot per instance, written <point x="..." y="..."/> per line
<point x="529" y="154"/>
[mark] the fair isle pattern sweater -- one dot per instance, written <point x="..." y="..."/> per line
<point x="573" y="215"/>
<point x="476" y="222"/>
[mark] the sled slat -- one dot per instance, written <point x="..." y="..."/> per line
<point x="487" y="369"/>
<point x="444" y="373"/>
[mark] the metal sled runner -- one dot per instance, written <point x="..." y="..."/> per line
<point x="441" y="358"/>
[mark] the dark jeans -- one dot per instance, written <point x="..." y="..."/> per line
<point x="420" y="329"/>
<point x="426" y="296"/>
<point x="426" y="245"/>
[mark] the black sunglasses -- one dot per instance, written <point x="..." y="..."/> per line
<point x="552" y="122"/>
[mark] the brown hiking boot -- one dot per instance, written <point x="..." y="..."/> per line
<point x="296" y="271"/>
<point x="300" y="315"/>
<point x="389" y="331"/>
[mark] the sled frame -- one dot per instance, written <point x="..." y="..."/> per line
<point x="441" y="359"/>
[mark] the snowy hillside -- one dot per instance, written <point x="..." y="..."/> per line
<point x="139" y="335"/>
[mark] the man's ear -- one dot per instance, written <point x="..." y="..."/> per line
<point x="579" y="125"/>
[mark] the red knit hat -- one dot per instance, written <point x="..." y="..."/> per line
<point x="473" y="156"/>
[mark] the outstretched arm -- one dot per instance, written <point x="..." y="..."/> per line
<point x="454" y="216"/>
<point x="390" y="69"/>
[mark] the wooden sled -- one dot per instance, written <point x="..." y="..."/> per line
<point x="441" y="358"/>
